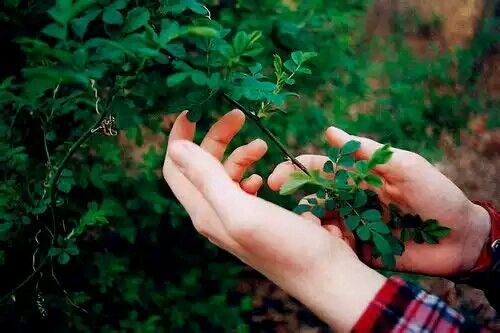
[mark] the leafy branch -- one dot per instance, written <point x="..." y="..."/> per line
<point x="254" y="117"/>
<point x="344" y="189"/>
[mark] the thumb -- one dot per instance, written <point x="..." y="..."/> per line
<point x="337" y="138"/>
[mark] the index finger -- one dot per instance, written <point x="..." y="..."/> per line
<point x="183" y="129"/>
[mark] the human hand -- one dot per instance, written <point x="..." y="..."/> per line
<point x="417" y="187"/>
<point x="302" y="258"/>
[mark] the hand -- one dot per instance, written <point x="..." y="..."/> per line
<point x="302" y="258"/>
<point x="417" y="187"/>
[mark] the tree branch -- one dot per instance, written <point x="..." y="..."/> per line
<point x="254" y="118"/>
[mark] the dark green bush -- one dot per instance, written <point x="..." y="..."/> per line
<point x="91" y="239"/>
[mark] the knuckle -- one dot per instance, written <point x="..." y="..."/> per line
<point x="219" y="140"/>
<point x="201" y="224"/>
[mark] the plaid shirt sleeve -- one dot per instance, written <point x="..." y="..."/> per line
<point x="401" y="306"/>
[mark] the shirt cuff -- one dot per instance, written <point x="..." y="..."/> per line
<point x="380" y="303"/>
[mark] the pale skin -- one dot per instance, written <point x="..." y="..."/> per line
<point x="310" y="262"/>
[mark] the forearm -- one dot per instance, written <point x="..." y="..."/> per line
<point x="337" y="289"/>
<point x="343" y="294"/>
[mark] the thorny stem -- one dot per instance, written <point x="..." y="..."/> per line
<point x="267" y="132"/>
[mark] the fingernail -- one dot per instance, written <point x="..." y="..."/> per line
<point x="179" y="151"/>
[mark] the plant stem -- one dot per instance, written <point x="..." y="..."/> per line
<point x="52" y="192"/>
<point x="253" y="117"/>
<point x="267" y="132"/>
<point x="60" y="167"/>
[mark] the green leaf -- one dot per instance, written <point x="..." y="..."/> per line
<point x="347" y="161"/>
<point x="80" y="25"/>
<point x="380" y="227"/>
<point x="440" y="232"/>
<point x="177" y="78"/>
<point x="343" y="211"/>
<point x="341" y="178"/>
<point x="312" y="201"/>
<point x="4" y="227"/>
<point x="318" y="211"/>
<point x="396" y="245"/>
<point x="199" y="78"/>
<point x="333" y="154"/>
<point x="350" y="147"/>
<point x="389" y="261"/>
<point x="428" y="238"/>
<point x="112" y="16"/>
<point x="302" y="209"/>
<point x="126" y="115"/>
<point x="380" y="156"/>
<point x="63" y="258"/>
<point x="72" y="250"/>
<point x="381" y="244"/>
<point x="54" y="251"/>
<point x="352" y="222"/>
<point x="321" y="194"/>
<point x="328" y="167"/>
<point x="374" y="180"/>
<point x="363" y="232"/>
<point x="136" y="18"/>
<point x="308" y="55"/>
<point x="371" y="215"/>
<point x="296" y="181"/>
<point x="194" y="115"/>
<point x="168" y="32"/>
<point x="304" y="70"/>
<point x="297" y="57"/>
<point x="360" y="199"/>
<point x="55" y="30"/>
<point x="240" y="42"/>
<point x="405" y="235"/>
<point x="362" y="167"/>
<point x="330" y="204"/>
<point x="203" y="31"/>
<point x="66" y="181"/>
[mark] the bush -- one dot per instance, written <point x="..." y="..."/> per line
<point x="92" y="239"/>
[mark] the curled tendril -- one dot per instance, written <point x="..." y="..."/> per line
<point x="107" y="126"/>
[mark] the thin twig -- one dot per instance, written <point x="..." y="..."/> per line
<point x="60" y="167"/>
<point x="52" y="192"/>
<point x="266" y="131"/>
<point x="26" y="280"/>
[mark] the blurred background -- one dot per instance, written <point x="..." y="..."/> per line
<point x="422" y="75"/>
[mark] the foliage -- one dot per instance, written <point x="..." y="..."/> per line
<point x="343" y="188"/>
<point x="91" y="238"/>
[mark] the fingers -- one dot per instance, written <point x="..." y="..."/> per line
<point x="251" y="221"/>
<point x="252" y="184"/>
<point x="337" y="138"/>
<point x="182" y="129"/>
<point x="311" y="217"/>
<point x="242" y="157"/>
<point x="222" y="132"/>
<point x="283" y="170"/>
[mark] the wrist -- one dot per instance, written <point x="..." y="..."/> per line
<point x="343" y="292"/>
<point x="476" y="236"/>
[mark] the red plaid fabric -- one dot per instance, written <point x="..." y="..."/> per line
<point x="401" y="306"/>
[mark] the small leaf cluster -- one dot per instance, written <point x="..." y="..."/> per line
<point x="343" y="190"/>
